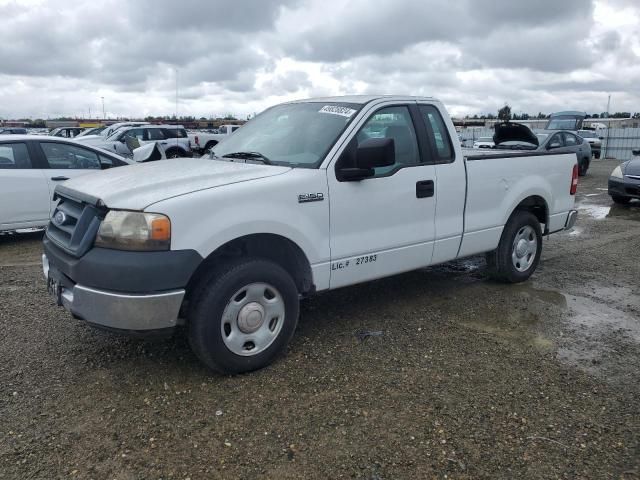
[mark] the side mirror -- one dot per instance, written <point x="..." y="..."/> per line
<point x="106" y="163"/>
<point x="370" y="154"/>
<point x="123" y="139"/>
<point x="552" y="146"/>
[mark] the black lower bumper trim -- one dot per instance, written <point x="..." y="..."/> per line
<point x="123" y="271"/>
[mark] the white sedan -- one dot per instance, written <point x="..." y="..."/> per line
<point x="30" y="168"/>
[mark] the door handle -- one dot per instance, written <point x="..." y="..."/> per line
<point x="163" y="143"/>
<point x="59" y="179"/>
<point x="424" y="189"/>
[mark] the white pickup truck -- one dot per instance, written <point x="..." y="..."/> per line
<point x="309" y="196"/>
<point x="202" y="142"/>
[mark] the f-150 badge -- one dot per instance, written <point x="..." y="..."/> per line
<point x="310" y="197"/>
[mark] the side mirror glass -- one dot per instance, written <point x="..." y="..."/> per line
<point x="553" y="145"/>
<point x="106" y="163"/>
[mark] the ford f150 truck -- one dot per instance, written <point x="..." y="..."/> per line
<point x="308" y="196"/>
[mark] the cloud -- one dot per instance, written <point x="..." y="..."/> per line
<point x="242" y="56"/>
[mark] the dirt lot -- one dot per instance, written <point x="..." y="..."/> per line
<point x="469" y="379"/>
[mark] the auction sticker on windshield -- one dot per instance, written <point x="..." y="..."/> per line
<point x="336" y="110"/>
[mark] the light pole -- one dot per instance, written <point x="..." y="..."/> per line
<point x="103" y="114"/>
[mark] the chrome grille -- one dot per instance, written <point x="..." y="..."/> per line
<point x="74" y="225"/>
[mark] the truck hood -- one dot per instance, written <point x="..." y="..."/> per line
<point x="514" y="132"/>
<point x="135" y="187"/>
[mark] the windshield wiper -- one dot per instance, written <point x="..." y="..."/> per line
<point x="249" y="155"/>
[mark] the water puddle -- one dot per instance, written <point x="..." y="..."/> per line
<point x="582" y="332"/>
<point x="599" y="212"/>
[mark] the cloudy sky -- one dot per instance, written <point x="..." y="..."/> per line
<point x="241" y="56"/>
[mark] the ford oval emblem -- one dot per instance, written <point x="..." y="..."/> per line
<point x="59" y="218"/>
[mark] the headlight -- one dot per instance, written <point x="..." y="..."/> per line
<point x="122" y="230"/>
<point x="617" y="172"/>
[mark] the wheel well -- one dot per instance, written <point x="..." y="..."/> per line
<point x="210" y="143"/>
<point x="269" y="246"/>
<point x="536" y="205"/>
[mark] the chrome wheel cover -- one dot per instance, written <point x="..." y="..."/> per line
<point x="252" y="319"/>
<point x="525" y="247"/>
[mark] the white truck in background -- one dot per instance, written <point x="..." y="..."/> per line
<point x="309" y="196"/>
<point x="202" y="142"/>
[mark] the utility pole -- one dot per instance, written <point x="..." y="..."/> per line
<point x="176" y="95"/>
<point x="606" y="145"/>
<point x="103" y="114"/>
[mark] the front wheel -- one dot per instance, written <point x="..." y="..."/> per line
<point x="518" y="252"/>
<point x="620" y="200"/>
<point x="243" y="315"/>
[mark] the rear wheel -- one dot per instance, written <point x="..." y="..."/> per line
<point x="620" y="200"/>
<point x="583" y="166"/>
<point x="518" y="252"/>
<point x="209" y="146"/>
<point x="243" y="315"/>
<point x="173" y="153"/>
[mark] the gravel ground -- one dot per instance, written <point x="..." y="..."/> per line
<point x="468" y="379"/>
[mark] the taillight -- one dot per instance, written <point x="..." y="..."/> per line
<point x="197" y="140"/>
<point x="574" y="180"/>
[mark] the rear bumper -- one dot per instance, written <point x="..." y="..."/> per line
<point x="571" y="219"/>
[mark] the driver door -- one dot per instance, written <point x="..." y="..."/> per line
<point x="384" y="224"/>
<point x="66" y="161"/>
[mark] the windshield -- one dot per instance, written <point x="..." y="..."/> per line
<point x="541" y="136"/>
<point x="587" y="134"/>
<point x="564" y="123"/>
<point x="294" y="134"/>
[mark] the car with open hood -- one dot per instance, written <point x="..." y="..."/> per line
<point x="516" y="136"/>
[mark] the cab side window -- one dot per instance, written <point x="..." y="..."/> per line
<point x="556" y="141"/>
<point x="14" y="156"/>
<point x="394" y="123"/>
<point x="570" y="140"/>
<point x="65" y="156"/>
<point x="438" y="134"/>
<point x="155" y="134"/>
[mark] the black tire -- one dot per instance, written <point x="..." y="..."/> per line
<point x="173" y="153"/>
<point x="620" y="200"/>
<point x="583" y="167"/>
<point x="596" y="155"/>
<point x="216" y="291"/>
<point x="500" y="263"/>
<point x="209" y="146"/>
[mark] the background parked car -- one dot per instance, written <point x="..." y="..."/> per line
<point x="92" y="131"/>
<point x="172" y="139"/>
<point x="65" y="132"/>
<point x="624" y="182"/>
<point x="484" y="142"/>
<point x="594" y="141"/>
<point x="13" y="131"/>
<point x="30" y="168"/>
<point x="516" y="136"/>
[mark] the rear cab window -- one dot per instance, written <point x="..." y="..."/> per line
<point x="438" y="134"/>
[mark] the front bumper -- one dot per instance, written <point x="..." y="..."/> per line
<point x="129" y="291"/>
<point x="618" y="187"/>
<point x="119" y="311"/>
